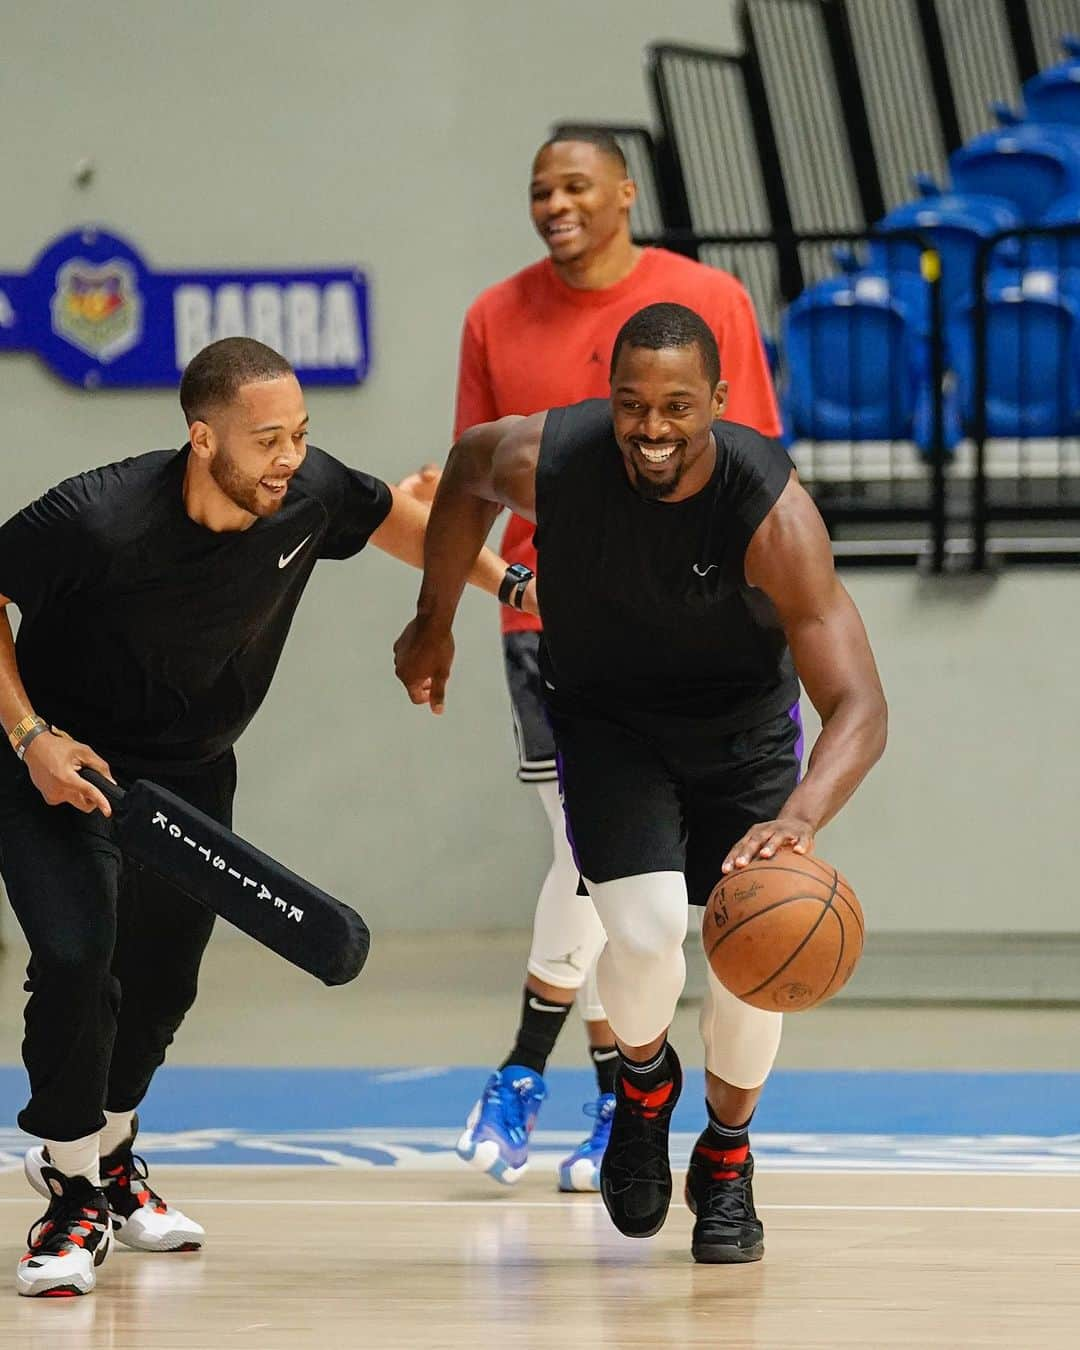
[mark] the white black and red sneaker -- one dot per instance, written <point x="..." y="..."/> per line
<point x="67" y="1244"/>
<point x="140" y="1217"/>
<point x="635" y="1175"/>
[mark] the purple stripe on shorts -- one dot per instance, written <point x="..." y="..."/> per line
<point x="566" y="818"/>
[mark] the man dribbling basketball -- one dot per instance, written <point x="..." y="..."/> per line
<point x="681" y="567"/>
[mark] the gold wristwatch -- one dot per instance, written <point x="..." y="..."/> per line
<point x="25" y="731"/>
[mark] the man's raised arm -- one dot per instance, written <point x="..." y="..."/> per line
<point x="492" y="465"/>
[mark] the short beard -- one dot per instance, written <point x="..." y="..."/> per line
<point x="240" y="490"/>
<point x="652" y="490"/>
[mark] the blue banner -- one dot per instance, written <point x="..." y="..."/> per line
<point x="100" y="317"/>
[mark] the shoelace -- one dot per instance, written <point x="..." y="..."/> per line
<point x="727" y="1197"/>
<point x="645" y="1157"/>
<point x="511" y="1106"/>
<point x="49" y="1236"/>
<point x="647" y="1150"/>
<point x="133" y="1169"/>
<point x="601" y="1111"/>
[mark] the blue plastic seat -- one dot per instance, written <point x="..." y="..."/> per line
<point x="856" y="362"/>
<point x="956" y="224"/>
<point x="1032" y="355"/>
<point x="1054" y="95"/>
<point x="1056" y="253"/>
<point x="1029" y="164"/>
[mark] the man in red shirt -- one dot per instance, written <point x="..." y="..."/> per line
<point x="542" y="339"/>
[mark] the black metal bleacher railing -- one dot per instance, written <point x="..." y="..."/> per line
<point x="1024" y="417"/>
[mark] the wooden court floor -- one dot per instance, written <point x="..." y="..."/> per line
<point x="327" y="1257"/>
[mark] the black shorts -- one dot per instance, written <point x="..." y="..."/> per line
<point x="532" y="730"/>
<point x="666" y="795"/>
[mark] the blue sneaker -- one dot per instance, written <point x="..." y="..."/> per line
<point x="581" y="1171"/>
<point x="496" y="1135"/>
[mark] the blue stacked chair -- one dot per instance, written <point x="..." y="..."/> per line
<point x="1032" y="355"/>
<point x="1029" y="164"/>
<point x="857" y="348"/>
<point x="956" y="224"/>
<point x="1061" y="252"/>
<point x="1054" y="95"/>
<point x="857" y="362"/>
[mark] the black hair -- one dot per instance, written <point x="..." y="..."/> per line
<point x="603" y="139"/>
<point x="666" y="325"/>
<point x="215" y="374"/>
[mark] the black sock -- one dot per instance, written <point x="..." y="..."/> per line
<point x="649" y="1074"/>
<point x="538" y="1030"/>
<point x="728" y="1137"/>
<point x="605" y="1059"/>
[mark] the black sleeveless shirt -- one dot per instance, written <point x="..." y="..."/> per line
<point x="645" y="604"/>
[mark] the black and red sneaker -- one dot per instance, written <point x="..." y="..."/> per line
<point x="720" y="1195"/>
<point x="635" y="1175"/>
<point x="67" y="1244"/>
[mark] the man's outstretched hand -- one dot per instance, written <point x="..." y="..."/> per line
<point x="423" y="483"/>
<point x="423" y="655"/>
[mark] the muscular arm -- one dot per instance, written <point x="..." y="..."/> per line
<point x="402" y="536"/>
<point x="790" y="559"/>
<point x="491" y="466"/>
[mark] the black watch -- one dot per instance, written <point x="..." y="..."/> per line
<point x="513" y="585"/>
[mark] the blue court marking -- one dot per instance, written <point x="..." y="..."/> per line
<point x="411" y="1117"/>
<point x="795" y="1101"/>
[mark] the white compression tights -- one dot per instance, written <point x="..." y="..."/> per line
<point x="641" y="971"/>
<point x="567" y="935"/>
<point x="740" y="1042"/>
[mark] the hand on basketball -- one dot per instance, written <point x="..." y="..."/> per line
<point x="765" y="839"/>
<point x="423" y="655"/>
<point x="54" y="761"/>
<point x="422" y="484"/>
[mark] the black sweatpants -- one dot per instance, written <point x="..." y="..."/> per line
<point x="114" y="951"/>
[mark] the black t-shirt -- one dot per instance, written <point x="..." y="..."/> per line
<point x="150" y="637"/>
<point x="646" y="605"/>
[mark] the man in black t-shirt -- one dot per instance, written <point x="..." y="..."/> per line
<point x="155" y="597"/>
<point x="685" y="576"/>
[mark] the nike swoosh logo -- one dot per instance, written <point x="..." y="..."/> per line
<point x="537" y="1006"/>
<point x="286" y="558"/>
<point x="704" y="571"/>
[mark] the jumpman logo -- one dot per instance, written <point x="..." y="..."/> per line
<point x="567" y="960"/>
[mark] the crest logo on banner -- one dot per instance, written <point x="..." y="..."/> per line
<point x="98" y="309"/>
<point x="99" y="316"/>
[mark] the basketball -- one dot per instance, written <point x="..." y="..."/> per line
<point x="783" y="933"/>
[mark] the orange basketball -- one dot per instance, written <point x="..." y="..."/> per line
<point x="783" y="933"/>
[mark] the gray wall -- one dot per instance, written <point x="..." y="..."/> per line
<point x="969" y="822"/>
<point x="398" y="135"/>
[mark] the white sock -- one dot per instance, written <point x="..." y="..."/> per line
<point x="76" y="1157"/>
<point x="119" y="1127"/>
